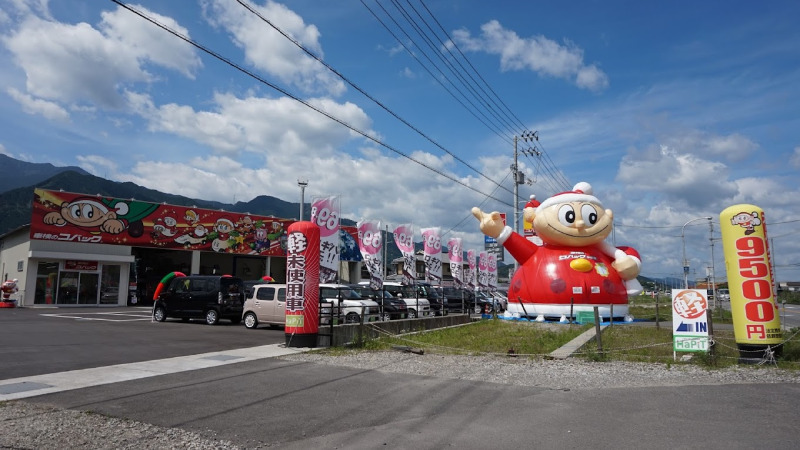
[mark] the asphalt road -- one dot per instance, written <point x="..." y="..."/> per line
<point x="290" y="405"/>
<point x="304" y="405"/>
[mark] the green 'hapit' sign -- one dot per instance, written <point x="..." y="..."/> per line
<point x="294" y="320"/>
<point x="690" y="343"/>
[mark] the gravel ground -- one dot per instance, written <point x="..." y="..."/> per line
<point x="31" y="426"/>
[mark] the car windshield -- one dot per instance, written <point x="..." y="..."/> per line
<point x="428" y="291"/>
<point x="349" y="294"/>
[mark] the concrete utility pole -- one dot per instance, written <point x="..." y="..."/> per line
<point x="519" y="177"/>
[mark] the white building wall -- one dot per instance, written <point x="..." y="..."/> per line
<point x="14" y="261"/>
<point x="20" y="257"/>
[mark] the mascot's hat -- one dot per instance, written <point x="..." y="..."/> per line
<point x="582" y="192"/>
<point x="533" y="203"/>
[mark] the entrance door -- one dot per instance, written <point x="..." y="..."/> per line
<point x="80" y="288"/>
<point x="88" y="288"/>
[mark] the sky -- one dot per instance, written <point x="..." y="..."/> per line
<point x="410" y="111"/>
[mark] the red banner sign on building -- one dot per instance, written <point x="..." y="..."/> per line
<point x="71" y="217"/>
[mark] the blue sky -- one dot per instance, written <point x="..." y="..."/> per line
<point x="671" y="110"/>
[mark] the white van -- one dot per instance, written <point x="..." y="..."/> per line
<point x="417" y="307"/>
<point x="349" y="303"/>
<point x="265" y="305"/>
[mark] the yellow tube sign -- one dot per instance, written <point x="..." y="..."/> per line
<point x="747" y="260"/>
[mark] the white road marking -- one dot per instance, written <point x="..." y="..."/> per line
<point x="32" y="386"/>
<point x="108" y="316"/>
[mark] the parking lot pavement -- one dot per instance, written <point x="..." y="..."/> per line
<point x="39" y="341"/>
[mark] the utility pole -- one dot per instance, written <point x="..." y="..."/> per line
<point x="519" y="177"/>
<point x="712" y="275"/>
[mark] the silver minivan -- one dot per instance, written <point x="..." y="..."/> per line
<point x="265" y="305"/>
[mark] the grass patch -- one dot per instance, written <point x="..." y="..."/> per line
<point x="622" y="342"/>
<point x="482" y="337"/>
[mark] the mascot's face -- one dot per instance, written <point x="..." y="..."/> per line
<point x="575" y="224"/>
<point x="86" y="213"/>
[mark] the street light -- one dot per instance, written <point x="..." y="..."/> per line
<point x="685" y="262"/>
<point x="302" y="184"/>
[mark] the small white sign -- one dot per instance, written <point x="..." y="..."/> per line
<point x="690" y="320"/>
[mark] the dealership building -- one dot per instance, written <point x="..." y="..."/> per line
<point x="90" y="250"/>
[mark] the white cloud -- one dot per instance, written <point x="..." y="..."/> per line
<point x="681" y="178"/>
<point x="30" y="105"/>
<point x="268" y="50"/>
<point x="97" y="165"/>
<point x="539" y="54"/>
<point x="256" y="124"/>
<point x="794" y="160"/>
<point x="146" y="42"/>
<point x="79" y="63"/>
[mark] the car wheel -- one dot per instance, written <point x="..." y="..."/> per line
<point x="412" y="314"/>
<point x="212" y="317"/>
<point x="159" y="314"/>
<point x="478" y="309"/>
<point x="385" y="317"/>
<point x="351" y="318"/>
<point x="250" y="320"/>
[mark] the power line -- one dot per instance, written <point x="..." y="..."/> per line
<point x="297" y="99"/>
<point x="491" y="127"/>
<point x="557" y="182"/>
<point x="355" y="86"/>
<point x="497" y="97"/>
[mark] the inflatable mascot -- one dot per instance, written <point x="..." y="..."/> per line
<point x="570" y="268"/>
<point x="8" y="287"/>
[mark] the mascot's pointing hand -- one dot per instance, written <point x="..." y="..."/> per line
<point x="491" y="224"/>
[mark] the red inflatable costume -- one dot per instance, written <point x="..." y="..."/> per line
<point x="572" y="264"/>
<point x="8" y="287"/>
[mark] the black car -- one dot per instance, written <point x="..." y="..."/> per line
<point x="469" y="300"/>
<point x="438" y="302"/>
<point x="392" y="308"/>
<point x="458" y="300"/>
<point x="208" y="297"/>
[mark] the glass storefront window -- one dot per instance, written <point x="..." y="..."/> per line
<point x="67" y="288"/>
<point x="109" y="284"/>
<point x="88" y="287"/>
<point x="46" y="277"/>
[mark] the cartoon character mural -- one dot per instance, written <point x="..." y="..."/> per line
<point x="108" y="215"/>
<point x="574" y="265"/>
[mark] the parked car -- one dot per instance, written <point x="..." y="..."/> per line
<point x="457" y="299"/>
<point x="392" y="308"/>
<point x="208" y="297"/>
<point x="417" y="307"/>
<point x="474" y="301"/>
<point x="724" y="295"/>
<point x="265" y="305"/>
<point x="438" y="302"/>
<point x="348" y="304"/>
